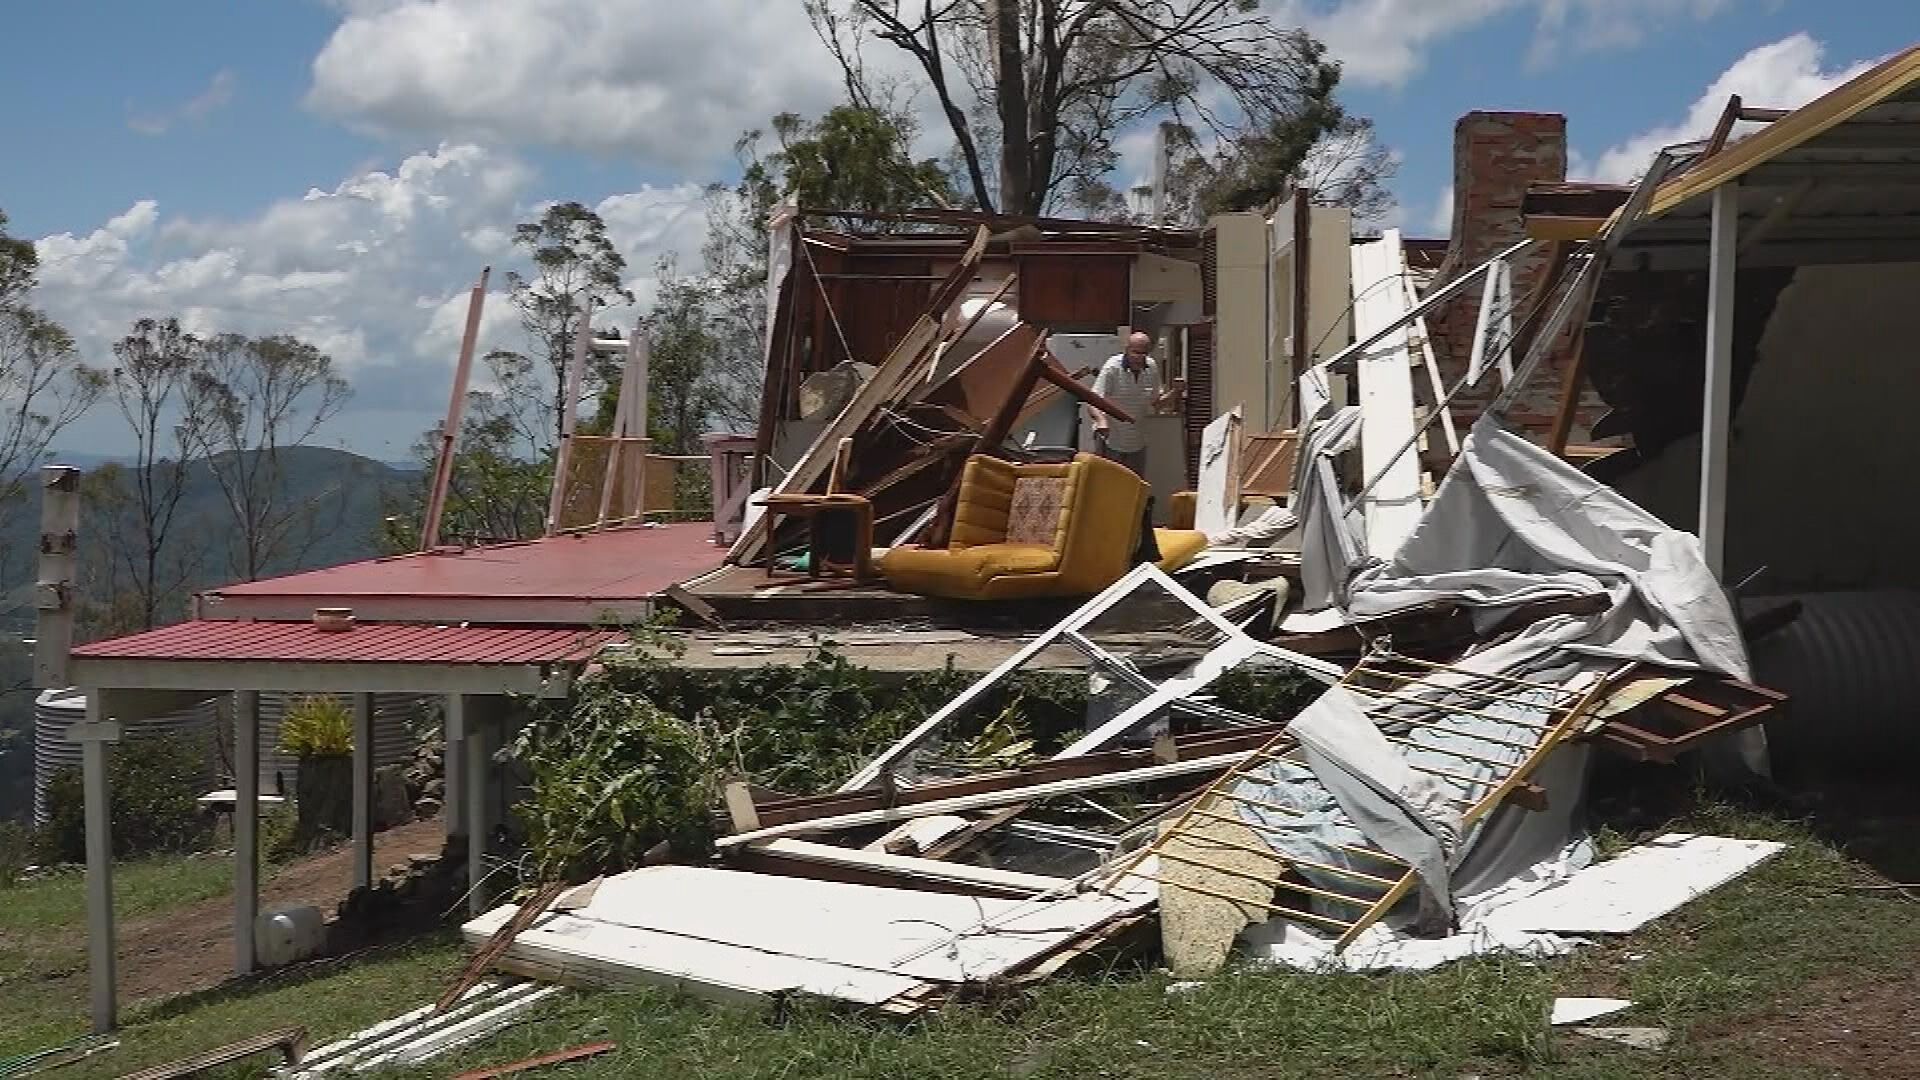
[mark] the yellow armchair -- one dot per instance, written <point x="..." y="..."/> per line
<point x="1037" y="530"/>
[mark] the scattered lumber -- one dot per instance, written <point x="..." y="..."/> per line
<point x="541" y="1062"/>
<point x="501" y="941"/>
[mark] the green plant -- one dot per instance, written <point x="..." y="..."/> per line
<point x="155" y="785"/>
<point x="611" y="779"/>
<point x="16" y="851"/>
<point x="279" y="840"/>
<point x="318" y="725"/>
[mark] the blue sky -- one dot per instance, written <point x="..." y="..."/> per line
<point x="342" y="169"/>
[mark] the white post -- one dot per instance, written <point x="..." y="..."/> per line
<point x="453" y="763"/>
<point x="94" y="737"/>
<point x="53" y="602"/>
<point x="477" y="786"/>
<point x="362" y="790"/>
<point x="246" y="827"/>
<point x="1715" y="421"/>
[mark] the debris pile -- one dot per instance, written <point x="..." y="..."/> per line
<point x="1468" y="644"/>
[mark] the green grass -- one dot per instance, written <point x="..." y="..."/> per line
<point x="142" y="887"/>
<point x="1722" y="957"/>
<point x="329" y="999"/>
<point x="43" y="938"/>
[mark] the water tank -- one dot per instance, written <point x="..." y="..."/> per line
<point x="394" y="717"/>
<point x="54" y="711"/>
<point x="1851" y="660"/>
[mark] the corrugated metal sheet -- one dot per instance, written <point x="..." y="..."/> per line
<point x="374" y="643"/>
<point x="613" y="563"/>
<point x="1852" y="663"/>
<point x="54" y="711"/>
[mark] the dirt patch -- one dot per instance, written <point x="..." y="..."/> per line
<point x="191" y="948"/>
<point x="1842" y="1025"/>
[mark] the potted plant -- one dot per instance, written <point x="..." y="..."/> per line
<point x="318" y="731"/>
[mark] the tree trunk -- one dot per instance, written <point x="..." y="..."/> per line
<point x="1010" y="94"/>
<point x="324" y="798"/>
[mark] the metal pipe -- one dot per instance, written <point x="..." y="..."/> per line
<point x="1433" y="300"/>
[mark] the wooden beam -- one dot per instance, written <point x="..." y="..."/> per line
<point x="1555" y="227"/>
<point x="1724" y="128"/>
<point x="910" y="867"/>
<point x="1571" y="381"/>
<point x="456" y="411"/>
<point x="1198" y="745"/>
<point x="558" y="1057"/>
<point x="1815" y="118"/>
<point x="362" y="790"/>
<point x="987" y="800"/>
<point x="897" y="370"/>
<point x="246" y="828"/>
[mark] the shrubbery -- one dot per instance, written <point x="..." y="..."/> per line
<point x="317" y="725"/>
<point x="155" y="785"/>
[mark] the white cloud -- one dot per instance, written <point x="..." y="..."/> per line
<point x="1441" y="223"/>
<point x="375" y="270"/>
<point x="217" y="95"/>
<point x="671" y="82"/>
<point x="1384" y="43"/>
<point x="1593" y="25"/>
<point x="1783" y="75"/>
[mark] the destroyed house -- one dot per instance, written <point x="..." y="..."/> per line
<point x="1610" y="471"/>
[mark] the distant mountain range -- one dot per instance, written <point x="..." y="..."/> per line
<point x="83" y="460"/>
<point x="346" y="496"/>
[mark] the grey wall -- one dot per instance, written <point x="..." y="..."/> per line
<point x="1824" y="474"/>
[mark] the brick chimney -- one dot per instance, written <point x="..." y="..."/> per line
<point x="1496" y="157"/>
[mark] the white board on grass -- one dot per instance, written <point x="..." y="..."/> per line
<point x="1621" y="895"/>
<point x="733" y="934"/>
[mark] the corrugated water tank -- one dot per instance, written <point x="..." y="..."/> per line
<point x="54" y="711"/>
<point x="211" y="721"/>
<point x="1851" y="660"/>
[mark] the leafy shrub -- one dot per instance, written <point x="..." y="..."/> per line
<point x="647" y="747"/>
<point x="278" y="834"/>
<point x="318" y="725"/>
<point x="1268" y="693"/>
<point x="612" y="779"/>
<point x="155" y="786"/>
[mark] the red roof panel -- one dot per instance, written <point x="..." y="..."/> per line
<point x="624" y="563"/>
<point x="367" y="643"/>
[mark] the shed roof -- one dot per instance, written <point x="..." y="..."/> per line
<point x="1834" y="181"/>
<point x="368" y="643"/>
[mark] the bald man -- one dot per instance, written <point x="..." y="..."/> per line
<point x="1131" y="380"/>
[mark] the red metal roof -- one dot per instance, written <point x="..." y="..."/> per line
<point x="577" y="579"/>
<point x="367" y="643"/>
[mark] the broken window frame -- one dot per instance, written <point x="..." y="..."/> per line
<point x="1234" y="648"/>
